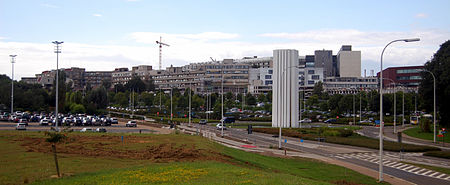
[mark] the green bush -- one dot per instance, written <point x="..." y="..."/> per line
<point x="331" y="133"/>
<point x="425" y="125"/>
<point x="346" y="137"/>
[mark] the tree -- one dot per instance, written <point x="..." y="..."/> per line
<point x="318" y="89"/>
<point x="135" y="84"/>
<point x="440" y="67"/>
<point x="54" y="138"/>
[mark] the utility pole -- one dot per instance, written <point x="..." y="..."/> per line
<point x="190" y="90"/>
<point x="13" y="60"/>
<point x="57" y="51"/>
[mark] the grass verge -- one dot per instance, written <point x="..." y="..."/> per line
<point x="92" y="158"/>
<point x="440" y="154"/>
<point x="417" y="133"/>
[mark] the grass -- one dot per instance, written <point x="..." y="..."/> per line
<point x="417" y="133"/>
<point x="440" y="154"/>
<point x="205" y="161"/>
<point x="345" y="137"/>
<point x="434" y="168"/>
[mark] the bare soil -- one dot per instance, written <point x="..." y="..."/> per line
<point x="107" y="146"/>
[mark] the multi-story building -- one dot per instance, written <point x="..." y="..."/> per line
<point x="142" y="71"/>
<point x="76" y="76"/>
<point x="46" y="78"/>
<point x="349" y="62"/>
<point x="29" y="80"/>
<point x="408" y="77"/>
<point x="350" y="85"/>
<point x="121" y="76"/>
<point x="95" y="78"/>
<point x="324" y="59"/>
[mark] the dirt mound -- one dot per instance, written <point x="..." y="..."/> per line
<point x="108" y="146"/>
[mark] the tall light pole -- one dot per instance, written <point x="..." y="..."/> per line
<point x="221" y="120"/>
<point x="13" y="60"/>
<point x="190" y="86"/>
<point x="403" y="107"/>
<point x="434" y="104"/>
<point x="380" y="178"/>
<point x="171" y="114"/>
<point x="57" y="51"/>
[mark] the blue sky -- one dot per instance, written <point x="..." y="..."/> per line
<point x="104" y="34"/>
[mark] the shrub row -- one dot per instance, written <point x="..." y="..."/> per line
<point x="346" y="137"/>
<point x="440" y="154"/>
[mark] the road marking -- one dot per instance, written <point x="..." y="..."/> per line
<point x="409" y="167"/>
<point x="429" y="171"/>
<point x="448" y="178"/>
<point x="420" y="171"/>
<point x="402" y="166"/>
<point x="440" y="176"/>
<point x="391" y="163"/>
<point x="431" y="175"/>
<point x="373" y="160"/>
<point x="414" y="169"/>
<point x="395" y="166"/>
<point x="340" y="157"/>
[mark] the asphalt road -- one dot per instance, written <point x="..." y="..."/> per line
<point x="368" y="158"/>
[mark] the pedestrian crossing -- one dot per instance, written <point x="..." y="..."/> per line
<point x="392" y="160"/>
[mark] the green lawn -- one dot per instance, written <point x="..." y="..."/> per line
<point x="94" y="158"/>
<point x="417" y="133"/>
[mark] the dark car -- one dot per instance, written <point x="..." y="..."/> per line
<point x="330" y="121"/>
<point x="203" y="122"/>
<point x="229" y="120"/>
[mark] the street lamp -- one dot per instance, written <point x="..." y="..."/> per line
<point x="279" y="136"/>
<point x="381" y="103"/>
<point x="13" y="60"/>
<point x="434" y="104"/>
<point x="57" y="51"/>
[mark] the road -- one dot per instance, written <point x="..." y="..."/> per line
<point x="364" y="157"/>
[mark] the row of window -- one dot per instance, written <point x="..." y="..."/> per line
<point x="402" y="71"/>
<point x="409" y="77"/>
<point x="228" y="67"/>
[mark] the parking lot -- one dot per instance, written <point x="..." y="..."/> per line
<point x="114" y="128"/>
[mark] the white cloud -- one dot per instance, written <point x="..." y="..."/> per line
<point x="421" y="15"/>
<point x="97" y="15"/>
<point x="49" y="5"/>
<point x="185" y="48"/>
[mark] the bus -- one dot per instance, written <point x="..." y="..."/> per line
<point x="414" y="120"/>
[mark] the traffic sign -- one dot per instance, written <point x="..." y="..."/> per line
<point x="440" y="135"/>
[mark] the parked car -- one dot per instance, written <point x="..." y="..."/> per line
<point x="86" y="130"/>
<point x="330" y="121"/>
<point x="100" y="130"/>
<point x="229" y="120"/>
<point x="21" y="126"/>
<point x="131" y="123"/>
<point x="24" y="121"/>
<point x="203" y="122"/>
<point x="44" y="122"/>
<point x="114" y="121"/>
<point x="306" y="120"/>
<point x="219" y="126"/>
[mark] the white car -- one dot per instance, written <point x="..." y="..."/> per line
<point x="131" y="124"/>
<point x="306" y="120"/>
<point x="44" y="122"/>
<point x="86" y="130"/>
<point x="21" y="126"/>
<point x="219" y="126"/>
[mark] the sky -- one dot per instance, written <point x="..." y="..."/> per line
<point x="107" y="34"/>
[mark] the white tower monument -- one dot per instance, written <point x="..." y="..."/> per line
<point x="285" y="88"/>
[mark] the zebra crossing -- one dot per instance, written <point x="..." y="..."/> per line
<point x="393" y="160"/>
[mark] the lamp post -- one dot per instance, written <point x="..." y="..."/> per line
<point x="381" y="103"/>
<point x="403" y="107"/>
<point x="13" y="60"/>
<point x="221" y="120"/>
<point x="279" y="136"/>
<point x="57" y="51"/>
<point x="190" y="86"/>
<point x="434" y="104"/>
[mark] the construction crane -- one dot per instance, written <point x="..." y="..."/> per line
<point x="160" y="49"/>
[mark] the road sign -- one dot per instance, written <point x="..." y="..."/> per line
<point x="301" y="140"/>
<point x="440" y="135"/>
<point x="285" y="141"/>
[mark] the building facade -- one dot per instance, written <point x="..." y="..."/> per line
<point x="349" y="62"/>
<point x="408" y="77"/>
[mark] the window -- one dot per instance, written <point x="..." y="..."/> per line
<point x="268" y="82"/>
<point x="270" y="71"/>
<point x="402" y="71"/>
<point x="310" y="71"/>
<point x="310" y="82"/>
<point x="315" y="77"/>
<point x="268" y="76"/>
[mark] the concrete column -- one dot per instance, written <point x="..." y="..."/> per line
<point x="285" y="88"/>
